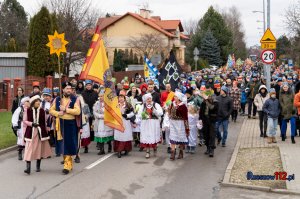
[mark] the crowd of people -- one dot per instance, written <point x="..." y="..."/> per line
<point x="197" y="112"/>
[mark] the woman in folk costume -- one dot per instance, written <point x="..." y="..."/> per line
<point x="179" y="126"/>
<point x="122" y="140"/>
<point x="150" y="124"/>
<point x="103" y="133"/>
<point x="85" y="130"/>
<point x="36" y="137"/>
<point x="18" y="124"/>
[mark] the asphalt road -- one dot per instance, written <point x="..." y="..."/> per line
<point x="132" y="176"/>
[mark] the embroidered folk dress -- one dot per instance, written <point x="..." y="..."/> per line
<point x="178" y="123"/>
<point x="37" y="146"/>
<point x="103" y="133"/>
<point x="150" y="126"/>
<point x="122" y="140"/>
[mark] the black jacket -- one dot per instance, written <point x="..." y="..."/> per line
<point x="90" y="97"/>
<point x="16" y="103"/>
<point x="225" y="107"/>
<point x="212" y="106"/>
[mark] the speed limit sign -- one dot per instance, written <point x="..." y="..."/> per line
<point x="268" y="56"/>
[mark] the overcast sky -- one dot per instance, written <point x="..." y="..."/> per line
<point x="195" y="9"/>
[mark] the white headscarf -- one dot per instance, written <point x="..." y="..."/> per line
<point x="24" y="99"/>
<point x="180" y="96"/>
<point x="147" y="96"/>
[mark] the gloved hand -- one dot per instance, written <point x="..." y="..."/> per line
<point x="124" y="115"/>
<point x="15" y="128"/>
<point x="35" y="125"/>
<point x="47" y="111"/>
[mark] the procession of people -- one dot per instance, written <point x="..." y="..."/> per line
<point x="196" y="113"/>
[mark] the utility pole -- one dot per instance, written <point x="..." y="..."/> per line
<point x="264" y="13"/>
<point x="268" y="66"/>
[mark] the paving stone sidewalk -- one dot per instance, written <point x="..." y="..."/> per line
<point x="249" y="137"/>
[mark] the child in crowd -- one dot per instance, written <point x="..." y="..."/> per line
<point x="193" y="119"/>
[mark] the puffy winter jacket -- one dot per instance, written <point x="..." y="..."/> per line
<point x="259" y="100"/>
<point x="272" y="108"/>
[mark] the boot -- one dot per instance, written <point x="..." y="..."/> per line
<point x="109" y="147"/>
<point x="77" y="159"/>
<point x="270" y="140"/>
<point x="192" y="151"/>
<point x="28" y="167"/>
<point x="207" y="150"/>
<point x="98" y="147"/>
<point x="274" y="140"/>
<point x="283" y="138"/>
<point x="155" y="152"/>
<point x="293" y="140"/>
<point x="180" y="155"/>
<point x="261" y="134"/>
<point x="38" y="165"/>
<point x="20" y="155"/>
<point x="169" y="150"/>
<point x="119" y="155"/>
<point x="211" y="153"/>
<point x="86" y="149"/>
<point x="172" y="157"/>
<point x="265" y="134"/>
<point x="101" y="146"/>
<point x="147" y="153"/>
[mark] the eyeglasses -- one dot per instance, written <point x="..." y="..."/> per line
<point x="20" y="90"/>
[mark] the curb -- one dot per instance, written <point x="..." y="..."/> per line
<point x="260" y="188"/>
<point x="227" y="174"/>
<point x="9" y="149"/>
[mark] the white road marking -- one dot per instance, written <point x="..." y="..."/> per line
<point x="99" y="161"/>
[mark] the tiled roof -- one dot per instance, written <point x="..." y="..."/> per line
<point x="163" y="26"/>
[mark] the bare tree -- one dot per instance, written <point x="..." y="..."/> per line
<point x="232" y="19"/>
<point x="147" y="44"/>
<point x="292" y="18"/>
<point x="77" y="19"/>
<point x="190" y="26"/>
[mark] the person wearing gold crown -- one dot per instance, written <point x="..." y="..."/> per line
<point x="66" y="109"/>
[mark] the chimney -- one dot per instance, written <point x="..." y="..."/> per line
<point x="145" y="13"/>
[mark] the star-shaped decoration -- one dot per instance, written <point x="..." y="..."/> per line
<point x="57" y="43"/>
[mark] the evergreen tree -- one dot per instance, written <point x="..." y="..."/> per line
<point x="40" y="62"/>
<point x="212" y="20"/>
<point x="131" y="57"/>
<point x="283" y="46"/>
<point x="210" y="50"/>
<point x="135" y="59"/>
<point x="11" y="45"/>
<point x="13" y="24"/>
<point x="119" y="63"/>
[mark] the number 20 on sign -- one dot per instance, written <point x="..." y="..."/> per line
<point x="268" y="56"/>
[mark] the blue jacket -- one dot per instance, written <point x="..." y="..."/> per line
<point x="244" y="96"/>
<point x="272" y="108"/>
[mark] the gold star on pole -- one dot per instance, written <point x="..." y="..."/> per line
<point x="57" y="43"/>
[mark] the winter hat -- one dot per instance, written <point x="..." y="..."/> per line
<point x="47" y="91"/>
<point x="88" y="82"/>
<point x="36" y="84"/>
<point x="225" y="89"/>
<point x="189" y="91"/>
<point x="65" y="84"/>
<point x="217" y="84"/>
<point x="285" y="84"/>
<point x="272" y="90"/>
<point x="55" y="90"/>
<point x="95" y="86"/>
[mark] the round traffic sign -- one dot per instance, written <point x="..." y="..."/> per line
<point x="268" y="56"/>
